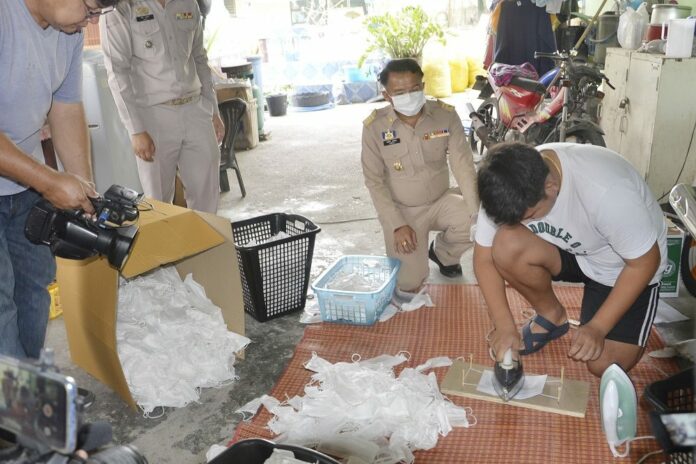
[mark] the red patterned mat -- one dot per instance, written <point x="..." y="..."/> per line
<point x="455" y="327"/>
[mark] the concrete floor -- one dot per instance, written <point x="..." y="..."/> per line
<point x="310" y="166"/>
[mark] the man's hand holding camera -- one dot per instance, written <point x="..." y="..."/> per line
<point x="69" y="191"/>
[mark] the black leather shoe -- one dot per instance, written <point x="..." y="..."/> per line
<point x="455" y="270"/>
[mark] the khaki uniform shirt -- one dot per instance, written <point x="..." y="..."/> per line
<point x="407" y="166"/>
<point x="153" y="55"/>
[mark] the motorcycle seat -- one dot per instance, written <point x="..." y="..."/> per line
<point x="528" y="84"/>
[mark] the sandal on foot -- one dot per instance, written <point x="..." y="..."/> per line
<point x="533" y="342"/>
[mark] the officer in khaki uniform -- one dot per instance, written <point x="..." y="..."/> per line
<point x="405" y="148"/>
<point x="159" y="77"/>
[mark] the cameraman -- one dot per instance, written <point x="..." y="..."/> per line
<point x="41" y="74"/>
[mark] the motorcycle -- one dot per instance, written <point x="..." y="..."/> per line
<point x="519" y="111"/>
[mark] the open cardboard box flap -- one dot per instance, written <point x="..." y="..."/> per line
<point x="196" y="243"/>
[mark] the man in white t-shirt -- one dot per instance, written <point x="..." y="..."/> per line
<point x="574" y="213"/>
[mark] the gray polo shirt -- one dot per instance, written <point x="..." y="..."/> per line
<point x="37" y="66"/>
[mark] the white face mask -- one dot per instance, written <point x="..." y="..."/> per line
<point x="409" y="104"/>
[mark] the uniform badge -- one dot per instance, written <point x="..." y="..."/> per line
<point x="142" y="11"/>
<point x="398" y="166"/>
<point x="436" y="134"/>
<point x="186" y="15"/>
<point x="389" y="138"/>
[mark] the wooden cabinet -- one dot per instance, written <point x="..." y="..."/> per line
<point x="650" y="117"/>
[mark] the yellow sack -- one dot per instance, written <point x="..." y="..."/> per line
<point x="458" y="65"/>
<point x="437" y="71"/>
<point x="475" y="69"/>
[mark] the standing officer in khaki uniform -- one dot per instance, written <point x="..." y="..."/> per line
<point x="160" y="79"/>
<point x="404" y="159"/>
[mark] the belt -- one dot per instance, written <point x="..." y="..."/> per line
<point x="181" y="101"/>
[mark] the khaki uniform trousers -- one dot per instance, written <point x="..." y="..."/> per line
<point x="184" y="138"/>
<point x="448" y="215"/>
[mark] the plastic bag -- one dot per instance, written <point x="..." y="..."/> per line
<point x="437" y="71"/>
<point x="632" y="27"/>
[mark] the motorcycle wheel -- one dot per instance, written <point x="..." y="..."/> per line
<point x="488" y="109"/>
<point x="586" y="136"/>
<point x="688" y="264"/>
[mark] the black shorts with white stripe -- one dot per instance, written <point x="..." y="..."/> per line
<point x="634" y="326"/>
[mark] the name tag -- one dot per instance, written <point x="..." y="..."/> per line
<point x="149" y="17"/>
<point x="391" y="142"/>
<point x="436" y="134"/>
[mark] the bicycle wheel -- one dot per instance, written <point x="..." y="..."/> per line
<point x="488" y="110"/>
<point x="688" y="264"/>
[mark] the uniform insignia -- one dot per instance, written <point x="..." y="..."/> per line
<point x="185" y="15"/>
<point x="142" y="11"/>
<point x="436" y="134"/>
<point x="445" y="106"/>
<point x="398" y="166"/>
<point x="368" y="120"/>
<point x="388" y="135"/>
<point x="147" y="17"/>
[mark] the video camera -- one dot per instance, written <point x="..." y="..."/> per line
<point x="73" y="234"/>
<point x="41" y="408"/>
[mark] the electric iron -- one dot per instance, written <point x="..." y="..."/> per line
<point x="618" y="408"/>
<point x="508" y="377"/>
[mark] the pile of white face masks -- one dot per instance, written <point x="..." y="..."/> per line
<point x="361" y="409"/>
<point x="172" y="340"/>
<point x="355" y="281"/>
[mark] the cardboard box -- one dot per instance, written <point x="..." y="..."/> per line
<point x="248" y="136"/>
<point x="232" y="90"/>
<point x="197" y="243"/>
<point x="671" y="279"/>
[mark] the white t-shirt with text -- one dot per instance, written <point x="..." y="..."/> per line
<point x="604" y="213"/>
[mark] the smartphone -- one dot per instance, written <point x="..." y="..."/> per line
<point x="38" y="406"/>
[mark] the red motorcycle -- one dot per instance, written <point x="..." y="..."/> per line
<point x="519" y="110"/>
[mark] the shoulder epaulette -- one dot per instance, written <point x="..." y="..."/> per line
<point x="445" y="106"/>
<point x="368" y="120"/>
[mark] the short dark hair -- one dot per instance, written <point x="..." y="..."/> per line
<point x="399" y="65"/>
<point x="510" y="181"/>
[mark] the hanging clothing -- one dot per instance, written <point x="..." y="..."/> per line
<point x="524" y="28"/>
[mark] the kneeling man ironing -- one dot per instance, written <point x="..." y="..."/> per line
<point x="572" y="213"/>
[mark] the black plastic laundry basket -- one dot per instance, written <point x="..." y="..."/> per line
<point x="275" y="274"/>
<point x="674" y="394"/>
<point x="256" y="451"/>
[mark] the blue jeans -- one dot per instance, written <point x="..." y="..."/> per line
<point x="26" y="270"/>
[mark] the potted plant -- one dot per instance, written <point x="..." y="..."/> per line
<point x="401" y="35"/>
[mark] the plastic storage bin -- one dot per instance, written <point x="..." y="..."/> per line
<point x="674" y="394"/>
<point x="257" y="450"/>
<point x="275" y="275"/>
<point x="356" y="307"/>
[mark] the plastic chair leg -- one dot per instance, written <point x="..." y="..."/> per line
<point x="224" y="181"/>
<point x="239" y="179"/>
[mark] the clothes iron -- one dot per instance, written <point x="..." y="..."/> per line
<point x="618" y="408"/>
<point x="508" y="377"/>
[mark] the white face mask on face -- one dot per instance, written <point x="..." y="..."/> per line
<point x="409" y="104"/>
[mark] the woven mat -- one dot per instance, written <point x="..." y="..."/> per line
<point x="455" y="327"/>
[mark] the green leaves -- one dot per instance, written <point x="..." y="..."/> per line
<point x="401" y="35"/>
